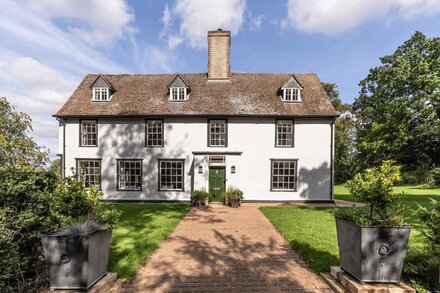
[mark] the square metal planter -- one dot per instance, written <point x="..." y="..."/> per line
<point x="234" y="203"/>
<point x="76" y="262"/>
<point x="371" y="253"/>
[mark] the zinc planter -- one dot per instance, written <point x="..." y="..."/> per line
<point x="371" y="253"/>
<point x="234" y="203"/>
<point x="200" y="203"/>
<point x="76" y="261"/>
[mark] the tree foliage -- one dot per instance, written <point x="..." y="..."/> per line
<point x="343" y="135"/>
<point x="55" y="167"/>
<point x="398" y="109"/>
<point x="17" y="148"/>
<point x="375" y="187"/>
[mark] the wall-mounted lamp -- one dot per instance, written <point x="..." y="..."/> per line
<point x="233" y="169"/>
<point x="200" y="169"/>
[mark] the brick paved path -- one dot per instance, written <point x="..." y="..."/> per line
<point x="224" y="249"/>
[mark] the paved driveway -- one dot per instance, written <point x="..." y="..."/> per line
<point x="223" y="249"/>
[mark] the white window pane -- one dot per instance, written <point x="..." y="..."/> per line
<point x="284" y="175"/>
<point x="171" y="175"/>
<point x="130" y="175"/>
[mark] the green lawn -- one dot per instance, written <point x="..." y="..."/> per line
<point x="312" y="231"/>
<point x="139" y="232"/>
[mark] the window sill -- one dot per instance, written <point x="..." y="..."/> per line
<point x="292" y="102"/>
<point x="174" y="190"/>
<point x="283" y="190"/>
<point x="128" y="189"/>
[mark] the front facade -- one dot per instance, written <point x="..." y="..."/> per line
<point x="160" y="137"/>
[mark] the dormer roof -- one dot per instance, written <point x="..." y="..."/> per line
<point x="292" y="82"/>
<point x="101" y="81"/>
<point x="178" y="81"/>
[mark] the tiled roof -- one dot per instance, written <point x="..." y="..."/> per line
<point x="243" y="94"/>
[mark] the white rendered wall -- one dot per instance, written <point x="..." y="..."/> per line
<point x="253" y="137"/>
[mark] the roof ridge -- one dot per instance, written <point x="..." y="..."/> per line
<point x="201" y="73"/>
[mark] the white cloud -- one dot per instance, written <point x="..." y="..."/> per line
<point x="34" y="74"/>
<point x="23" y="31"/>
<point x="332" y="17"/>
<point x="166" y="18"/>
<point x="197" y="17"/>
<point x="41" y="63"/>
<point x="257" y="21"/>
<point x="97" y="21"/>
<point x="174" y="41"/>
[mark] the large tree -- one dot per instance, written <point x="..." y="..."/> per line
<point x="17" y="148"/>
<point x="398" y="109"/>
<point x="343" y="135"/>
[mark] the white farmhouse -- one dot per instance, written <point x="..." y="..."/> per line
<point x="158" y="137"/>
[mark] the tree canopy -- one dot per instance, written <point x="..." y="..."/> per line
<point x="343" y="135"/>
<point x="17" y="148"/>
<point x="398" y="109"/>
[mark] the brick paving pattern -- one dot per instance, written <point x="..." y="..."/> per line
<point x="220" y="249"/>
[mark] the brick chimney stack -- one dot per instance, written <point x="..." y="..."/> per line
<point x="219" y="46"/>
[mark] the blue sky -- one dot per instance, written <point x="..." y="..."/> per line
<point x="47" y="46"/>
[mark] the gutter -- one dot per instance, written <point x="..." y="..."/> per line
<point x="332" y="154"/>
<point x="63" y="160"/>
<point x="279" y="116"/>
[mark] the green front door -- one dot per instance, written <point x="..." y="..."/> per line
<point x="217" y="182"/>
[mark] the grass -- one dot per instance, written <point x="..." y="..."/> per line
<point x="312" y="231"/>
<point x="139" y="231"/>
<point x="411" y="197"/>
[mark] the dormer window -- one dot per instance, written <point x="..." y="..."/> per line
<point x="290" y="91"/>
<point x="178" y="94"/>
<point x="291" y="95"/>
<point x="101" y="94"/>
<point x="178" y="89"/>
<point x="102" y="90"/>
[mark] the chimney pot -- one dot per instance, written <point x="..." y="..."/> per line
<point x="219" y="46"/>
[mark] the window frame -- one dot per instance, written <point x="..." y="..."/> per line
<point x="292" y="89"/>
<point x="226" y="132"/>
<point x="81" y="144"/>
<point x="101" y="89"/>
<point x="118" y="169"/>
<point x="159" y="179"/>
<point x="79" y="160"/>
<point x="295" y="188"/>
<point x="162" y="131"/>
<point x="178" y="89"/>
<point x="276" y="133"/>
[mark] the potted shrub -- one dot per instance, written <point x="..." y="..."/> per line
<point x="372" y="242"/>
<point x="233" y="197"/>
<point x="77" y="256"/>
<point x="200" y="198"/>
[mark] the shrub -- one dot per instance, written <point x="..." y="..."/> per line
<point x="34" y="202"/>
<point x="421" y="270"/>
<point x="27" y="210"/>
<point x="234" y="194"/>
<point x="436" y="176"/>
<point x="199" y="197"/>
<point x="431" y="217"/>
<point x="375" y="188"/>
<point x="418" y="176"/>
<point x="76" y="202"/>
